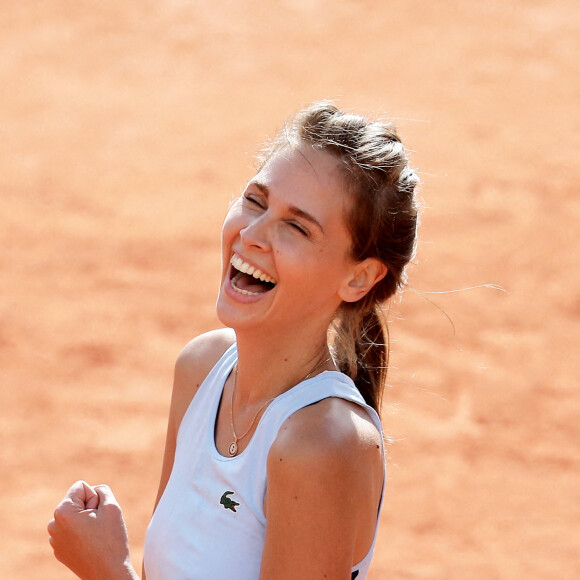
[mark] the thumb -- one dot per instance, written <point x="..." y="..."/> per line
<point x="91" y="497"/>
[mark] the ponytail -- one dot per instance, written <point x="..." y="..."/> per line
<point x="361" y="350"/>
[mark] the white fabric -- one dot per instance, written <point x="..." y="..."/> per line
<point x="192" y="536"/>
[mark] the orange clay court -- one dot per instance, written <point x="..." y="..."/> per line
<point x="127" y="127"/>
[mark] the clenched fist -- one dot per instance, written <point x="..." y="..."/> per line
<point x="88" y="534"/>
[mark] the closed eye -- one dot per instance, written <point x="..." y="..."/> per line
<point x="299" y="228"/>
<point x="252" y="200"/>
<point x="259" y="201"/>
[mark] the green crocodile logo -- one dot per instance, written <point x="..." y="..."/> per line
<point x="229" y="504"/>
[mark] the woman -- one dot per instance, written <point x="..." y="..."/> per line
<point x="274" y="464"/>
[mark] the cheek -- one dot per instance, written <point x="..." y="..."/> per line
<point x="319" y="272"/>
<point x="232" y="225"/>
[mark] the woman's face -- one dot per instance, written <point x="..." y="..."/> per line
<point x="288" y="229"/>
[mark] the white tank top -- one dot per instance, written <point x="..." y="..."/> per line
<point x="210" y="521"/>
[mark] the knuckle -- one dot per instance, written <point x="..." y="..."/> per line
<point x="112" y="509"/>
<point x="60" y="514"/>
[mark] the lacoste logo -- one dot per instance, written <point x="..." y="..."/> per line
<point x="228" y="503"/>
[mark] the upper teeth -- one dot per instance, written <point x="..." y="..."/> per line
<point x="244" y="267"/>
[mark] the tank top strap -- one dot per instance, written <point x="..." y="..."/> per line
<point x="221" y="370"/>
<point x="202" y="408"/>
<point x="326" y="384"/>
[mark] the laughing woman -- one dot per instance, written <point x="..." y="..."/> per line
<point x="274" y="462"/>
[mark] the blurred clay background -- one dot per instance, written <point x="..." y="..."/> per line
<point x="125" y="130"/>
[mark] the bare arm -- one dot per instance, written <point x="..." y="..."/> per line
<point x="324" y="483"/>
<point x="88" y="533"/>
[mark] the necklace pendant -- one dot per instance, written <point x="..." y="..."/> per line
<point x="233" y="449"/>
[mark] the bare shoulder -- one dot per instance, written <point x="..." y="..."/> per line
<point x="194" y="363"/>
<point x="333" y="435"/>
<point x="325" y="480"/>
<point x="201" y="353"/>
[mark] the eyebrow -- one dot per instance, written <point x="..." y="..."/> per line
<point x="294" y="210"/>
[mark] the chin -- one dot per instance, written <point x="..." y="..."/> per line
<point x="230" y="314"/>
<point x="243" y="320"/>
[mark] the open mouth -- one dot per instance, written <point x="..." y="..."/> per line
<point x="249" y="280"/>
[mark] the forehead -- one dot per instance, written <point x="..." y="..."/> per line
<point x="303" y="171"/>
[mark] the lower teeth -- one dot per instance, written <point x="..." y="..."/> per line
<point x="246" y="292"/>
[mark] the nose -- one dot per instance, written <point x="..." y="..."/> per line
<point x="256" y="234"/>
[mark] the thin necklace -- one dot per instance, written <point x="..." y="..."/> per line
<point x="233" y="448"/>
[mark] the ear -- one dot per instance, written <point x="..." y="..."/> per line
<point x="363" y="277"/>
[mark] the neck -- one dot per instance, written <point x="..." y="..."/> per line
<point x="270" y="365"/>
